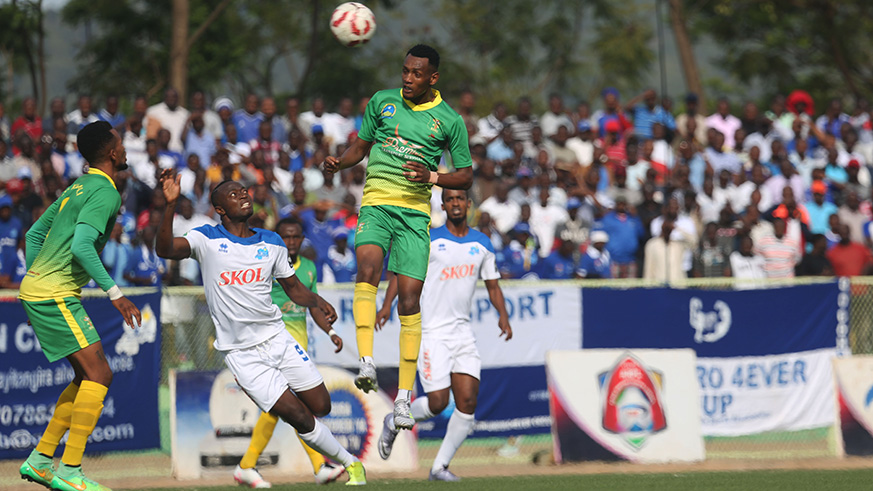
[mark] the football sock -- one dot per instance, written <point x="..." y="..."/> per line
<point x="315" y="458"/>
<point x="459" y="427"/>
<point x="421" y="409"/>
<point x="403" y="394"/>
<point x="261" y="435"/>
<point x="60" y="422"/>
<point x="410" y="342"/>
<point x="323" y="441"/>
<point x="364" y="312"/>
<point x="86" y="411"/>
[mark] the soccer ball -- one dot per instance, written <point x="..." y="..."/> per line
<point x="353" y="24"/>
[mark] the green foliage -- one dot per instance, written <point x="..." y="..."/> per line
<point x="821" y="46"/>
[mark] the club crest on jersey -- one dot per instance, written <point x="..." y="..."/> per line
<point x="474" y="250"/>
<point x="631" y="401"/>
<point x="262" y="253"/>
<point x="435" y="125"/>
<point x="222" y="248"/>
<point x="388" y="111"/>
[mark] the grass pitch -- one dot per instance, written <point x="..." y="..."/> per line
<point x="741" y="480"/>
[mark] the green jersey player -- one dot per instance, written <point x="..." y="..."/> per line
<point x="405" y="131"/>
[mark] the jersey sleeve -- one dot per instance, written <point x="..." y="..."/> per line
<point x="197" y="242"/>
<point x="100" y="207"/>
<point x="489" y="270"/>
<point x="459" y="144"/>
<point x="282" y="266"/>
<point x="369" y="120"/>
<point x="314" y="285"/>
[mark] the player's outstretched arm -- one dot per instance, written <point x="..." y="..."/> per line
<point x="385" y="312"/>
<point x="320" y="320"/>
<point x="459" y="179"/>
<point x="167" y="246"/>
<point x="299" y="294"/>
<point x="354" y="154"/>
<point x="496" y="296"/>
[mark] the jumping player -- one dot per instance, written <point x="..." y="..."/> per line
<point x="238" y="265"/>
<point x="459" y="256"/>
<point x="291" y="231"/>
<point x="405" y="132"/>
<point x="62" y="256"/>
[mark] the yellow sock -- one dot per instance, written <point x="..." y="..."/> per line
<point x="86" y="411"/>
<point x="261" y="435"/>
<point x="60" y="422"/>
<point x="316" y="458"/>
<point x="364" y="311"/>
<point x="410" y="342"/>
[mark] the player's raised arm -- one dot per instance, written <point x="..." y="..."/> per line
<point x="299" y="294"/>
<point x="496" y="296"/>
<point x="353" y="154"/>
<point x="385" y="312"/>
<point x="167" y="246"/>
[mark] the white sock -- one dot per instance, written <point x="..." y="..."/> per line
<point x="368" y="359"/>
<point x="323" y="441"/>
<point x="459" y="427"/>
<point x="402" y="394"/>
<point x="421" y="409"/>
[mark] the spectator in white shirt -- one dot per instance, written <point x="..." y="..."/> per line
<point x="545" y="218"/>
<point x="504" y="212"/>
<point x="168" y="115"/>
<point x="555" y="117"/>
<point x="723" y="121"/>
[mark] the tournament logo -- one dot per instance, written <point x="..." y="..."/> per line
<point x="709" y="327"/>
<point x="388" y="111"/>
<point x="631" y="401"/>
<point x="262" y="253"/>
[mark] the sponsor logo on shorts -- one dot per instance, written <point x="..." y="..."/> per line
<point x="457" y="272"/>
<point x="631" y="401"/>
<point x="240" y="277"/>
<point x="263" y="253"/>
<point x="88" y="322"/>
<point x="426" y="362"/>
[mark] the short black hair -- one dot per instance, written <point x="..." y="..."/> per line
<point x="425" y="51"/>
<point x="93" y="141"/>
<point x="443" y="193"/>
<point x="213" y="198"/>
<point x="292" y="220"/>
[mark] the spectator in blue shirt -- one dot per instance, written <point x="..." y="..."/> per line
<point x="559" y="265"/>
<point x="168" y="159"/>
<point x="111" y="114"/>
<point x="116" y="255"/>
<point x="13" y="267"/>
<point x="819" y="210"/>
<point x="340" y="258"/>
<point x="521" y="256"/>
<point x="10" y="231"/>
<point x="595" y="263"/>
<point x="625" y="232"/>
<point x="198" y="141"/>
<point x="649" y="113"/>
<point x="146" y="268"/>
<point x="319" y="230"/>
<point x="247" y="119"/>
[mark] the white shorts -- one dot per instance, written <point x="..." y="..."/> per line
<point x="267" y="370"/>
<point x="448" y="351"/>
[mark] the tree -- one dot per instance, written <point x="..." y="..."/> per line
<point x="20" y="23"/>
<point x="817" y="45"/>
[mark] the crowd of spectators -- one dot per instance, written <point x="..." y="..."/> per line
<point x="605" y="190"/>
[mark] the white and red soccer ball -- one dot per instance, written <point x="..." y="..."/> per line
<point x="353" y="24"/>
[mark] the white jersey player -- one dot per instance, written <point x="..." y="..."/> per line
<point x="238" y="265"/>
<point x="449" y="359"/>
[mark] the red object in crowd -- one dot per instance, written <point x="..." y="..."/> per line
<point x="798" y="96"/>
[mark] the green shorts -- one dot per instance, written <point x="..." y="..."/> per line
<point x="61" y="325"/>
<point x="403" y="231"/>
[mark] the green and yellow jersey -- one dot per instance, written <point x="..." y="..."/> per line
<point x="293" y="314"/>
<point x="55" y="273"/>
<point x="402" y="131"/>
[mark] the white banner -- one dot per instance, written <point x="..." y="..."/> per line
<point x="637" y="405"/>
<point x="543" y="318"/>
<point x="754" y="394"/>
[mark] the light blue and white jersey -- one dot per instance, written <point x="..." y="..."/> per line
<point x="238" y="276"/>
<point x="454" y="267"/>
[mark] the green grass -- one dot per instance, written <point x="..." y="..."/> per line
<point x="747" y="480"/>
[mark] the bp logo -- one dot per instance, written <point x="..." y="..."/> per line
<point x="262" y="253"/>
<point x="631" y="401"/>
<point x="388" y="111"/>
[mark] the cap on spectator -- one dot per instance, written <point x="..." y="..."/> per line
<point x="573" y="203"/>
<point x="818" y="187"/>
<point x="612" y="126"/>
<point x="691" y="97"/>
<point x="854" y="163"/>
<point x="620" y="170"/>
<point x="317" y="128"/>
<point x="521" y="228"/>
<point x="609" y="90"/>
<point x="5" y="201"/>
<point x="525" y="172"/>
<point x="583" y="125"/>
<point x="599" y="236"/>
<point x="14" y="186"/>
<point x="340" y="233"/>
<point x="223" y="103"/>
<point x="25" y="173"/>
